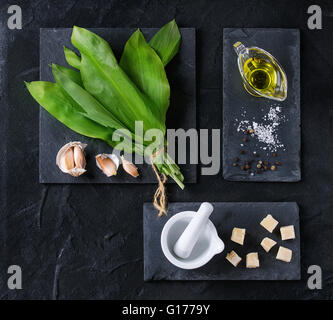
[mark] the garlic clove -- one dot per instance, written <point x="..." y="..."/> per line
<point x="108" y="163"/>
<point x="107" y="166"/>
<point x="129" y="167"/>
<point x="71" y="160"/>
<point x="75" y="172"/>
<point x="67" y="160"/>
<point x="79" y="159"/>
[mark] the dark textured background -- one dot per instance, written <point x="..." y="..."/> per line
<point x="85" y="241"/>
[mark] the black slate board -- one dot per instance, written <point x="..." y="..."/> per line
<point x="181" y="73"/>
<point x="283" y="44"/>
<point x="225" y="217"/>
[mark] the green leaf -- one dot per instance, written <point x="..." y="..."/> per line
<point x="72" y="58"/>
<point x="145" y="68"/>
<point x="166" y="41"/>
<point x="52" y="99"/>
<point x="83" y="101"/>
<point x="110" y="85"/>
<point x="71" y="74"/>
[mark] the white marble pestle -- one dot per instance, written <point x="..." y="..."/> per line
<point x="186" y="242"/>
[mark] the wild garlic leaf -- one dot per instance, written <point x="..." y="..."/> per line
<point x="146" y="70"/>
<point x="166" y="41"/>
<point x="72" y="58"/>
<point x="110" y="85"/>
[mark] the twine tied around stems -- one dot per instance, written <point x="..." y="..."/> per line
<point x="160" y="199"/>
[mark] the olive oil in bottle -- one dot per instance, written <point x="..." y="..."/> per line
<point x="262" y="74"/>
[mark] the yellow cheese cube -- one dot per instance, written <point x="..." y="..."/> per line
<point x="268" y="244"/>
<point x="252" y="260"/>
<point x="238" y="235"/>
<point x="284" y="254"/>
<point x="269" y="223"/>
<point x="233" y="258"/>
<point x="287" y="232"/>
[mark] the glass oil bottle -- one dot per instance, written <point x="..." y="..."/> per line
<point x="262" y="74"/>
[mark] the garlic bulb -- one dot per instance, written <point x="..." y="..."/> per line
<point x="108" y="163"/>
<point x="129" y="167"/>
<point x="71" y="159"/>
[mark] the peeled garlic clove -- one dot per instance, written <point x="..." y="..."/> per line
<point x="129" y="167"/>
<point x="71" y="160"/>
<point x="108" y="163"/>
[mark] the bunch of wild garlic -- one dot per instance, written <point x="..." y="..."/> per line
<point x="103" y="96"/>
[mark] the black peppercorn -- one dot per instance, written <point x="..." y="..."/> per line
<point x="241" y="151"/>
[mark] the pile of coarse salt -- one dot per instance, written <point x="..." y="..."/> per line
<point x="266" y="129"/>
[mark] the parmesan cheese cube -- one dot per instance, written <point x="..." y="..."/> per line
<point x="252" y="260"/>
<point x="287" y="232"/>
<point x="268" y="244"/>
<point x="269" y="223"/>
<point x="233" y="258"/>
<point x="238" y="235"/>
<point x="284" y="254"/>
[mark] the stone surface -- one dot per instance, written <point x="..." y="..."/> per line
<point x="226" y="216"/>
<point x="53" y="134"/>
<point x="284" y="45"/>
<point x="86" y="241"/>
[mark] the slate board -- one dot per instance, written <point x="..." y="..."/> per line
<point x="284" y="45"/>
<point x="225" y="217"/>
<point x="181" y="72"/>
